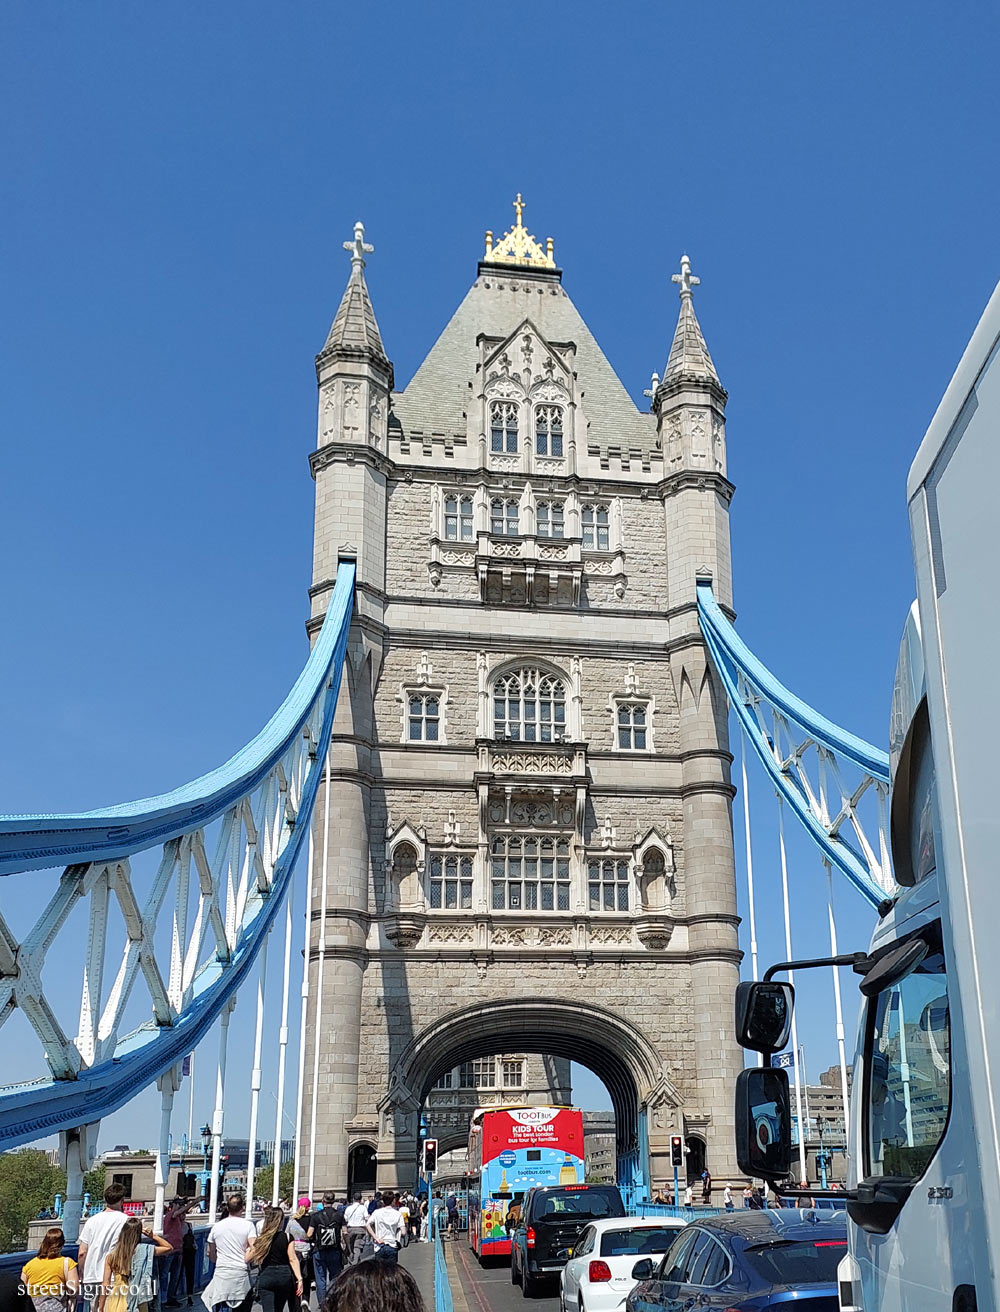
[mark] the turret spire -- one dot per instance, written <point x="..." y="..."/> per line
<point x="688" y="352"/>
<point x="354" y="327"/>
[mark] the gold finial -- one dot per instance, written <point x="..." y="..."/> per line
<point x="518" y="246"/>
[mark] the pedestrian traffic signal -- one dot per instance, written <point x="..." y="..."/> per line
<point x="430" y="1156"/>
<point x="676" y="1150"/>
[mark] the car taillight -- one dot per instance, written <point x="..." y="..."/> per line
<point x="530" y="1237"/>
<point x="598" y="1271"/>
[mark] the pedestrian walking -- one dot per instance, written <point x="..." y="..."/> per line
<point x="228" y="1243"/>
<point x="189" y="1254"/>
<point x="326" y="1233"/>
<point x="172" y="1264"/>
<point x="727" y="1198"/>
<point x="127" y="1284"/>
<point x="49" y="1278"/>
<point x="384" y="1227"/>
<point x="706" y="1186"/>
<point x="384" y="1286"/>
<point x="97" y="1238"/>
<point x="279" y="1279"/>
<point x="356" y="1229"/>
<point x="424" y="1220"/>
<point x="689" y="1196"/>
<point x="297" y="1227"/>
<point x="451" y="1203"/>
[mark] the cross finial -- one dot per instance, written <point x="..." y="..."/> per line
<point x="359" y="248"/>
<point x="518" y="208"/>
<point x="685" y="278"/>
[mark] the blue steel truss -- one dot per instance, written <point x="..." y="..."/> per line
<point x="259" y="805"/>
<point x="823" y="772"/>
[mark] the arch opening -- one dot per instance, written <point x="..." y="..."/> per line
<point x="613" y="1049"/>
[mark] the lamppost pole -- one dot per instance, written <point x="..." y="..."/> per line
<point x="821" y="1155"/>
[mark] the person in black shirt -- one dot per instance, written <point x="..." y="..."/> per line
<point x="279" y="1282"/>
<point x="325" y="1230"/>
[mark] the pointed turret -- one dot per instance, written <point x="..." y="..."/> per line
<point x="354" y="332"/>
<point x="353" y="370"/>
<point x="688" y="352"/>
<point x="689" y="401"/>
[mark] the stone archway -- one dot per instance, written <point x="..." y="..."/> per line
<point x="645" y="1102"/>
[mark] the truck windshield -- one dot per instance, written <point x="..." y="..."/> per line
<point x="908" y="1071"/>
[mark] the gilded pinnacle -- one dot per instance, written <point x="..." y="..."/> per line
<point x="518" y="246"/>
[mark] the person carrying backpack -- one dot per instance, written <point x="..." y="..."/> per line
<point x="326" y="1233"/>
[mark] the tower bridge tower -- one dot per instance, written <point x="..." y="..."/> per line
<point x="523" y="841"/>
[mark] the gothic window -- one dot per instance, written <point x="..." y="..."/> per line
<point x="423" y="720"/>
<point x="478" y="1074"/>
<point x="513" y="1074"/>
<point x="450" y="882"/>
<point x="548" y="430"/>
<point x="596" y="524"/>
<point x="549" y="519"/>
<point x="529" y="706"/>
<point x="503" y="427"/>
<point x="458" y="519"/>
<point x="529" y="873"/>
<point x="607" y="881"/>
<point x="632" y="727"/>
<point x="503" y="517"/>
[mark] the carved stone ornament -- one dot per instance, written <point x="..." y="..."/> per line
<point x="611" y="935"/>
<point x="404" y="929"/>
<point x="450" y="934"/>
<point x="530" y="763"/>
<point x="654" y="931"/>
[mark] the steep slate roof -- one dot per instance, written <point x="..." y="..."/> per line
<point x="436" y="398"/>
<point x="354" y="326"/>
<point x="688" y="352"/>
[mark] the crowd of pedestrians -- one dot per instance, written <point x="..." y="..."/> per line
<point x="347" y="1250"/>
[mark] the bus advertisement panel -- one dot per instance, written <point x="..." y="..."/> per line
<point x="510" y="1152"/>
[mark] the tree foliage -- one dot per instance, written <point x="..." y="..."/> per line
<point x="28" y="1182"/>
<point x="263" y="1181"/>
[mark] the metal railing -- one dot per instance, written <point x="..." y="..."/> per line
<point x="442" y="1284"/>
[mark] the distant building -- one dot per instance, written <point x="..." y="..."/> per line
<point x="599" y="1147"/>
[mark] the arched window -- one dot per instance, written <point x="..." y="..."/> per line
<point x="529" y="873"/>
<point x="596" y="523"/>
<point x="458" y="519"/>
<point x="529" y="706"/>
<point x="633" y="718"/>
<point x="503" y="517"/>
<point x="548" y="430"/>
<point x="503" y="427"/>
<point x="607" y="881"/>
<point x="549" y="519"/>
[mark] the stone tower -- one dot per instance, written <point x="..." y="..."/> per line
<point x="523" y="841"/>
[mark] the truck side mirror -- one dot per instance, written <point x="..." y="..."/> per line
<point x="764" y="1015"/>
<point x="763" y="1123"/>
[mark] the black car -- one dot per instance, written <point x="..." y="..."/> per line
<point x="783" y="1260"/>
<point x="552" y="1219"/>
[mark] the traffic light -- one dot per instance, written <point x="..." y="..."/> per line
<point x="430" y="1156"/>
<point x="676" y="1150"/>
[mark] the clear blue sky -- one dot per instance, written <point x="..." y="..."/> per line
<point x="177" y="181"/>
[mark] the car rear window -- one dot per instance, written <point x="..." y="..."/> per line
<point x="584" y="1204"/>
<point x="641" y="1240"/>
<point x="787" y="1262"/>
